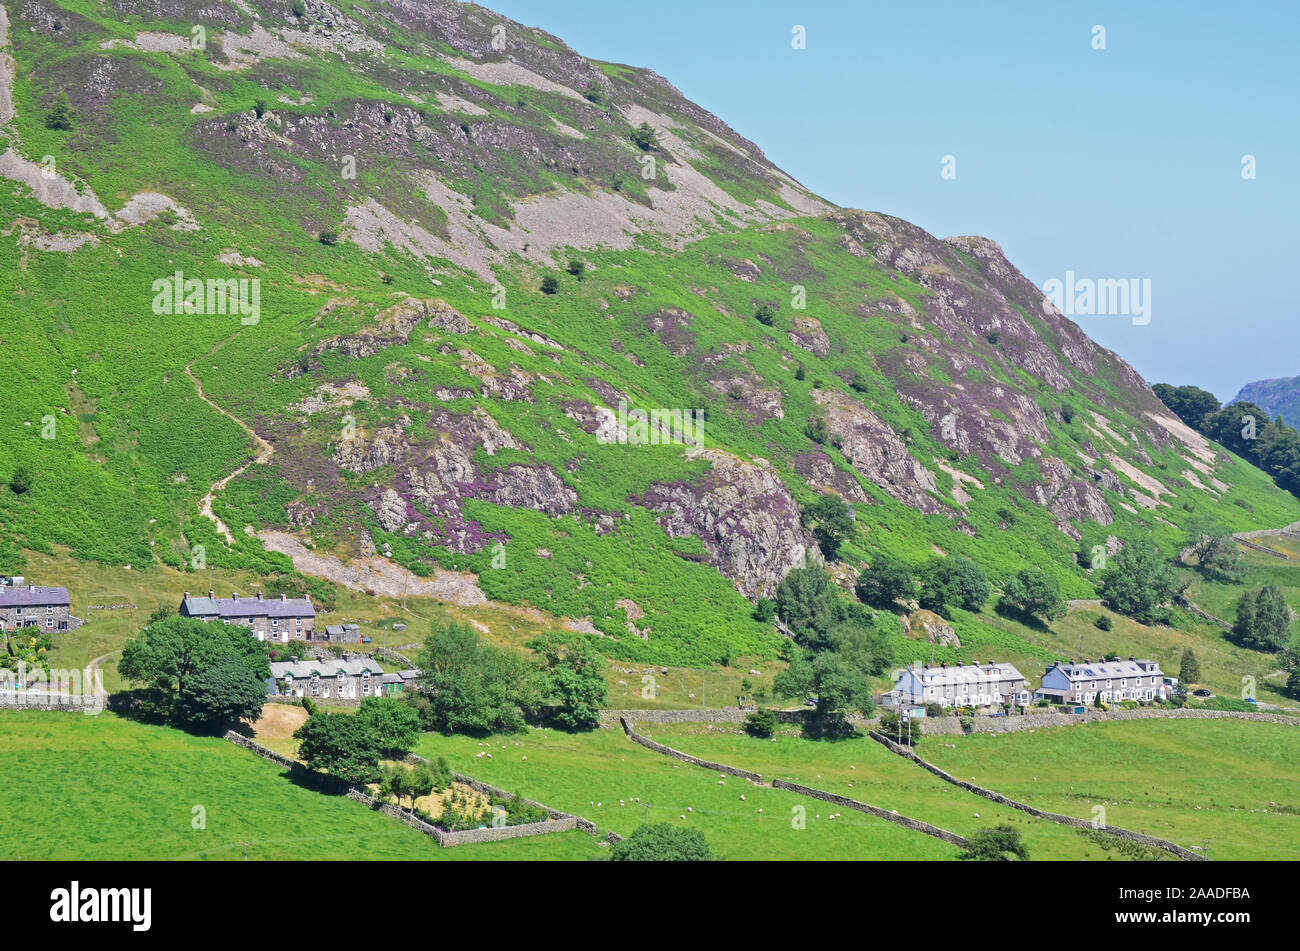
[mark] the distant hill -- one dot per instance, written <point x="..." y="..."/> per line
<point x="1279" y="397"/>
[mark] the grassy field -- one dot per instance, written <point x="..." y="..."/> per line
<point x="100" y="787"/>
<point x="602" y="775"/>
<point x="1230" y="783"/>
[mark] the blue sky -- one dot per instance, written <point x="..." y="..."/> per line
<point x="1116" y="163"/>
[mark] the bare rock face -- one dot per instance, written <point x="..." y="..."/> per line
<point x="670" y="325"/>
<point x="743" y="514"/>
<point x="387" y="446"/>
<point x="390" y="510"/>
<point x="823" y="475"/>
<point x="1067" y="498"/>
<point x="393" y="327"/>
<point x="806" y="332"/>
<point x="928" y="626"/>
<point x="877" y="452"/>
<point x="534" y="487"/>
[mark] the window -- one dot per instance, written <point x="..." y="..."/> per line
<point x="315" y="688"/>
<point x="50" y="609"/>
<point x="49" y="622"/>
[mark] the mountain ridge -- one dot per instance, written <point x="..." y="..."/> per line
<point x="925" y="381"/>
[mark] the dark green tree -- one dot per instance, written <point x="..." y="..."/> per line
<point x="220" y="695"/>
<point x="1263" y="620"/>
<point x="21" y="480"/>
<point x="887" y="580"/>
<point x="60" y="117"/>
<point x="832" y="522"/>
<point x="643" y="137"/>
<point x="1189" y="671"/>
<point x="805" y="601"/>
<point x="1034" y="593"/>
<point x="340" y="744"/>
<point x="394" y="722"/>
<point x="550" y="284"/>
<point x="573" y="682"/>
<point x="171" y="652"/>
<point x="1191" y="404"/>
<point x="471" y="686"/>
<point x="1137" y="581"/>
<point x="761" y="723"/>
<point x="955" y="582"/>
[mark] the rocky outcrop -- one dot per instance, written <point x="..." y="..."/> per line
<point x="807" y="332"/>
<point x="743" y="514"/>
<point x="877" y="452"/>
<point x="393" y="327"/>
<point x="930" y="627"/>
<point x="1069" y="499"/>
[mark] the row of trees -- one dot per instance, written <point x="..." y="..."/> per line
<point x="1244" y="428"/>
<point x="470" y="686"/>
<point x="946" y="583"/>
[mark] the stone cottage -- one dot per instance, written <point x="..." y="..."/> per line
<point x="352" y="678"/>
<point x="27" y="605"/>
<point x="268" y="619"/>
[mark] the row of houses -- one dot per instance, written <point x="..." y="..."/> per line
<point x="996" y="684"/>
<point x="354" y="677"/>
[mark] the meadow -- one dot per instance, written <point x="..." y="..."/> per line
<point x="101" y="787"/>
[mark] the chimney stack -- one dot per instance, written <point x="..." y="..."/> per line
<point x="281" y="597"/>
<point x="259" y="594"/>
<point x="212" y="594"/>
<point x="187" y="595"/>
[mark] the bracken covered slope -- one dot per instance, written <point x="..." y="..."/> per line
<point x="399" y="178"/>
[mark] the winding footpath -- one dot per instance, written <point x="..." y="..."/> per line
<point x="264" y="450"/>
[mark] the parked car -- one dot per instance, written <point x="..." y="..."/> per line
<point x="811" y="702"/>
<point x="1202" y="692"/>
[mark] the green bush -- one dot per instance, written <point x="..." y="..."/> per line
<point x="550" y="284"/>
<point x="761" y="723"/>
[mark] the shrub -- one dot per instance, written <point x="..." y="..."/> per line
<point x="549" y="284"/>
<point x="765" y="315"/>
<point x="594" y="94"/>
<point x="21" y="480"/>
<point x="299" y="9"/>
<point x="998" y="844"/>
<point x="577" y="268"/>
<point x="60" y="117"/>
<point x="259" y="107"/>
<point x="1103" y="622"/>
<point x="328" y="238"/>
<point x="933" y="710"/>
<point x="886" y="580"/>
<point x="761" y="723"/>
<point x="662" y="842"/>
<point x="643" y="137"/>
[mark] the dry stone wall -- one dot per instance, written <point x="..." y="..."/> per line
<point x="556" y="821"/>
<point x="1139" y="837"/>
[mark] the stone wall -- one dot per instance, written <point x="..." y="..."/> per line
<point x="898" y="819"/>
<point x="819" y="794"/>
<point x="650" y="744"/>
<point x="556" y="822"/>
<point x="951" y="726"/>
<point x="52" y="703"/>
<point x="1139" y="837"/>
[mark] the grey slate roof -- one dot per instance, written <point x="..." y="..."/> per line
<point x="12" y="596"/>
<point x="303" y="669"/>
<point x="248" y="607"/>
<point x="1109" y="669"/>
